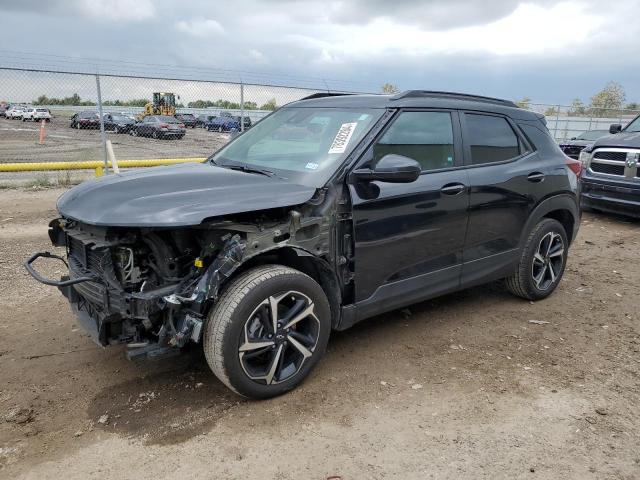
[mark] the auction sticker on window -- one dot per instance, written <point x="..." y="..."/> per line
<point x="343" y="136"/>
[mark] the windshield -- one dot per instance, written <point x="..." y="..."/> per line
<point x="120" y="118"/>
<point x="592" y="135"/>
<point x="186" y="115"/>
<point x="634" y="126"/>
<point x="302" y="144"/>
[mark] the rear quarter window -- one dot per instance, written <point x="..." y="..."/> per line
<point x="490" y="139"/>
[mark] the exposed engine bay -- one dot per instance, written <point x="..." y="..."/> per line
<point x="151" y="288"/>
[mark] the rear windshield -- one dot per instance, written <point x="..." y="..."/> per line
<point x="166" y="119"/>
<point x="41" y="110"/>
<point x="186" y="115"/>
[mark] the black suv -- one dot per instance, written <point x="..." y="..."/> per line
<point x="611" y="179"/>
<point x="330" y="210"/>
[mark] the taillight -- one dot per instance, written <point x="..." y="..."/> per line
<point x="181" y="125"/>
<point x="575" y="166"/>
<point x="164" y="125"/>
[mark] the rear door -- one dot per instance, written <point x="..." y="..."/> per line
<point x="409" y="236"/>
<point x="506" y="180"/>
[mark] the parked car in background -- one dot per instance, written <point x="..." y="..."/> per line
<point x="35" y="114"/>
<point x="3" y="108"/>
<point x="202" y="119"/>
<point x="222" y="124"/>
<point x="117" y="123"/>
<point x="129" y="115"/>
<point x="259" y="253"/>
<point x="159" y="126"/>
<point x="86" y="119"/>
<point x="15" y="112"/>
<point x="573" y="147"/>
<point x="611" y="181"/>
<point x="188" y="119"/>
<point x="247" y="120"/>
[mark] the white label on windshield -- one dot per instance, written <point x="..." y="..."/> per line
<point x="311" y="166"/>
<point x="343" y="136"/>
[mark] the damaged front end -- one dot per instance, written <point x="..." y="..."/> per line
<point x="150" y="288"/>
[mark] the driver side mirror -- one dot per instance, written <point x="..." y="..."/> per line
<point x="615" y="128"/>
<point x="391" y="168"/>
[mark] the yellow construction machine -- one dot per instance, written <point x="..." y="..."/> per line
<point x="164" y="103"/>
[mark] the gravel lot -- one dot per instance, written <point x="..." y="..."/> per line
<point x="473" y="385"/>
<point x="19" y="143"/>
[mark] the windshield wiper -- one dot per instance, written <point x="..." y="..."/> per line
<point x="244" y="168"/>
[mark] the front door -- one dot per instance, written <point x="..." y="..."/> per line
<point x="409" y="237"/>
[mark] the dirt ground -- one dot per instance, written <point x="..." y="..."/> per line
<point x="473" y="385"/>
<point x="19" y="143"/>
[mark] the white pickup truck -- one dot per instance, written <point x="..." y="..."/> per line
<point x="36" y="114"/>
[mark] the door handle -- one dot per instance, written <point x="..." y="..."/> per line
<point x="535" y="177"/>
<point x="453" y="188"/>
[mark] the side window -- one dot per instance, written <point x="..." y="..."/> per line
<point x="491" y="139"/>
<point x="427" y="137"/>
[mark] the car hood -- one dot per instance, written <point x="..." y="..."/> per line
<point x="619" y="140"/>
<point x="576" y="143"/>
<point x="179" y="195"/>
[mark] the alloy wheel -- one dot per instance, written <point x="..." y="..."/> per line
<point x="548" y="261"/>
<point x="278" y="338"/>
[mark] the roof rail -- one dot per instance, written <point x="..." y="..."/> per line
<point x="325" y="94"/>
<point x="460" y="96"/>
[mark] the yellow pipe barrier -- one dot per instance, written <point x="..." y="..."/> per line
<point x="96" y="165"/>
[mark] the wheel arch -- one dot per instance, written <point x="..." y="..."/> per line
<point x="562" y="208"/>
<point x="306" y="262"/>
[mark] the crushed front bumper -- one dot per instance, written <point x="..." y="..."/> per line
<point x="103" y="311"/>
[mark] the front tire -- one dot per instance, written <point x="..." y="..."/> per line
<point x="267" y="331"/>
<point x="542" y="263"/>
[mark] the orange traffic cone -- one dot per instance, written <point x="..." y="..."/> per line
<point x="42" y="122"/>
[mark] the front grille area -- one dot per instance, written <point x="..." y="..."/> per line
<point x="607" y="155"/>
<point x="607" y="168"/>
<point x="85" y="259"/>
<point x="613" y="161"/>
<point x="93" y="292"/>
<point x="572" y="151"/>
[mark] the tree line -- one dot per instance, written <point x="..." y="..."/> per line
<point x="608" y="102"/>
<point x="75" y="100"/>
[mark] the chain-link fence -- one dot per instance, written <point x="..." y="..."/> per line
<point x="566" y="122"/>
<point x="84" y="110"/>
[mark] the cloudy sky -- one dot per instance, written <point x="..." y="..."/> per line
<point x="551" y="51"/>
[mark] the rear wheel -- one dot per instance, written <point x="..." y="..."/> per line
<point x="267" y="331"/>
<point x="155" y="134"/>
<point x="542" y="262"/>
